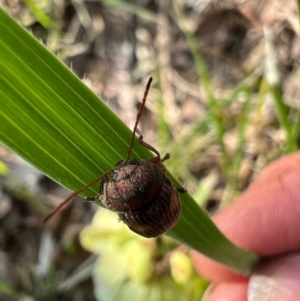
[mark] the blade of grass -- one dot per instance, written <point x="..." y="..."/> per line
<point x="201" y="127"/>
<point x="131" y="8"/>
<point x="298" y="8"/>
<point x="51" y="119"/>
<point x="39" y="13"/>
<point x="296" y="127"/>
<point x="231" y="186"/>
<point x="204" y="80"/>
<point x="282" y="112"/>
<point x="7" y="289"/>
<point x="272" y="76"/>
<point x="3" y="169"/>
<point x="205" y="188"/>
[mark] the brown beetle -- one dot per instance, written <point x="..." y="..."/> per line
<point x="139" y="191"/>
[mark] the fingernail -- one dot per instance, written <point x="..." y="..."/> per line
<point x="207" y="292"/>
<point x="276" y="280"/>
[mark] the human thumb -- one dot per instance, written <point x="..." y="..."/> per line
<point x="276" y="279"/>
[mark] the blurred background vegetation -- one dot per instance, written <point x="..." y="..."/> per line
<point x="225" y="103"/>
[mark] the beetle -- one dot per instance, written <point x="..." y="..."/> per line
<point x="138" y="190"/>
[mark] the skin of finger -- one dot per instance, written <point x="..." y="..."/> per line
<point x="275" y="279"/>
<point x="265" y="219"/>
<point x="227" y="291"/>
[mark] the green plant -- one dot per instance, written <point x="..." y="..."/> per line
<point x="51" y="119"/>
<point x="131" y="266"/>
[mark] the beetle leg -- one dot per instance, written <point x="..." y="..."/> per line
<point x="91" y="198"/>
<point x="145" y="144"/>
<point x="165" y="157"/>
<point x="181" y="190"/>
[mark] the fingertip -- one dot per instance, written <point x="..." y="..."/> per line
<point x="265" y="219"/>
<point x="276" y="279"/>
<point x="212" y="270"/>
<point x="229" y="291"/>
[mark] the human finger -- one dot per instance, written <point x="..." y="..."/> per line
<point x="265" y="219"/>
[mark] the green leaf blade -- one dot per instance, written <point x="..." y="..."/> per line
<point x="51" y="119"/>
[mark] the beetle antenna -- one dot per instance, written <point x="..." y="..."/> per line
<point x="72" y="196"/>
<point x="138" y="117"/>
